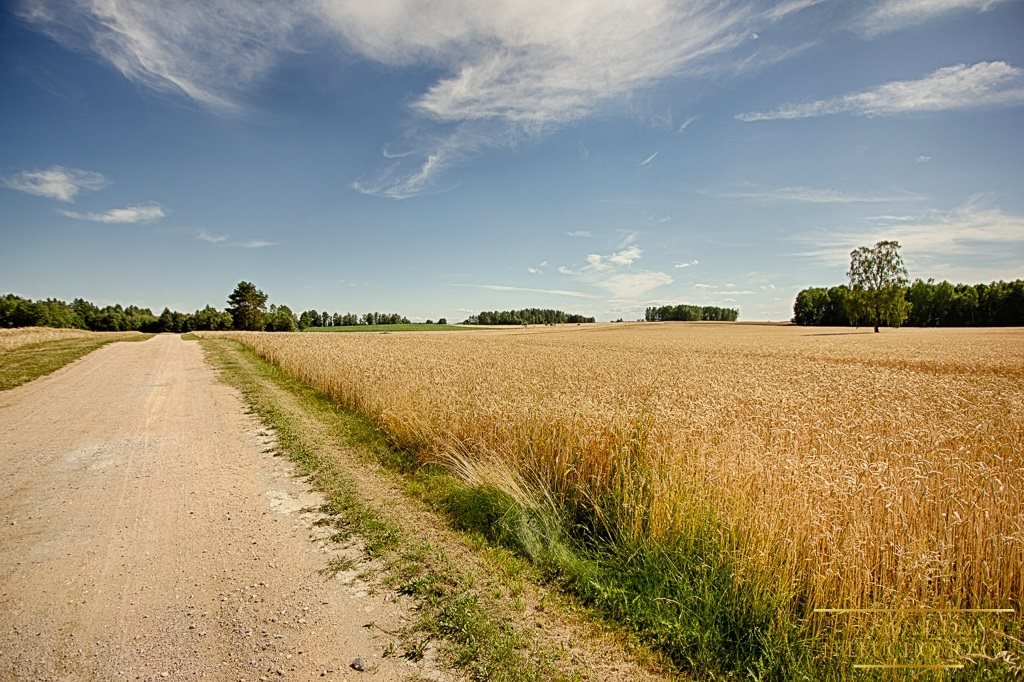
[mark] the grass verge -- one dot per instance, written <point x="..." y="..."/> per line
<point x="456" y="608"/>
<point x="25" y="363"/>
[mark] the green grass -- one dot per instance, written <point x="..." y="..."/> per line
<point x="26" y="363"/>
<point x="477" y="636"/>
<point x="411" y="327"/>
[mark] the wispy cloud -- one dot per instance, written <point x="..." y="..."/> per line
<point x="784" y="9"/>
<point x="509" y="69"/>
<point x="256" y="244"/>
<point x="923" y="158"/>
<point x="649" y="159"/>
<point x="687" y="264"/>
<point x="686" y="124"/>
<point x="586" y="234"/>
<point x="539" y="269"/>
<point x="811" y="195"/>
<point x="615" y="274"/>
<point x="56" y="182"/>
<point x="554" y="292"/>
<point x="141" y="213"/>
<point x="972" y="229"/>
<point x="522" y="68"/>
<point x="985" y="84"/>
<point x="205" y="236"/>
<point x="891" y="15"/>
<point x="208" y="51"/>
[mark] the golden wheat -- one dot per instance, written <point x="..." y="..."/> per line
<point x="24" y="336"/>
<point x="857" y="469"/>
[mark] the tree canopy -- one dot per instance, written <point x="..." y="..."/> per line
<point x="690" y="313"/>
<point x="942" y="304"/>
<point x="878" y="283"/>
<point x="527" y="316"/>
<point x="247" y="306"/>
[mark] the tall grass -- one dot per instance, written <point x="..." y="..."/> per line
<point x="798" y="471"/>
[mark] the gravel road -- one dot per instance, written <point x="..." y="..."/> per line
<point x="148" y="532"/>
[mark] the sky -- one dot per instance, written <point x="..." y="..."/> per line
<point x="438" y="159"/>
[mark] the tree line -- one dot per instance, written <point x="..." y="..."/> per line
<point x="690" y="313"/>
<point x="527" y="316"/>
<point x="931" y="304"/>
<point x="247" y="310"/>
<point x="16" y="311"/>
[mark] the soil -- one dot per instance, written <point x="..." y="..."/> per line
<point x="147" y="532"/>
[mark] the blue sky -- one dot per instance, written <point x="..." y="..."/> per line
<point x="441" y="158"/>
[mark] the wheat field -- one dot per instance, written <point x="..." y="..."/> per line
<point x="25" y="336"/>
<point x="851" y="468"/>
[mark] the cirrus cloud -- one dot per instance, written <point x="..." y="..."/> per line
<point x="141" y="213"/>
<point x="56" y="182"/>
<point x="985" y="84"/>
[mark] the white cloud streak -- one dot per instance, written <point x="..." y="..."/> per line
<point x="687" y="264"/>
<point x="583" y="234"/>
<point x="554" y="292"/>
<point x="133" y="215"/>
<point x="208" y="51"/>
<point x="649" y="159"/>
<point x="56" y="182"/>
<point x="811" y="195"/>
<point x="892" y="15"/>
<point x="972" y="229"/>
<point x="257" y="244"/>
<point x="686" y="124"/>
<point x="985" y="84"/>
<point x="205" y="236"/>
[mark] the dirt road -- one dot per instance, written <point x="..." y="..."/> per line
<point x="148" y="533"/>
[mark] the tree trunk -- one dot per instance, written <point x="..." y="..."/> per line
<point x="876" y="328"/>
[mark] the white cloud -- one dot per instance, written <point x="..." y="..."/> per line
<point x="554" y="292"/>
<point x="985" y="84"/>
<point x="205" y="236"/>
<point x="649" y="159"/>
<point x="687" y="264"/>
<point x="256" y="244"/>
<point x="208" y="51"/>
<point x="812" y="195"/>
<point x="581" y="233"/>
<point x="507" y="69"/>
<point x="891" y="15"/>
<point x="923" y="158"/>
<point x="972" y="229"/>
<point x="784" y="9"/>
<point x="631" y="285"/>
<point x="614" y="273"/>
<point x="141" y="213"/>
<point x="686" y="124"/>
<point x="56" y="182"/>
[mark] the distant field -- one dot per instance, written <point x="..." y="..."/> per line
<point x="824" y="468"/>
<point x="411" y="327"/>
<point x="27" y="353"/>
